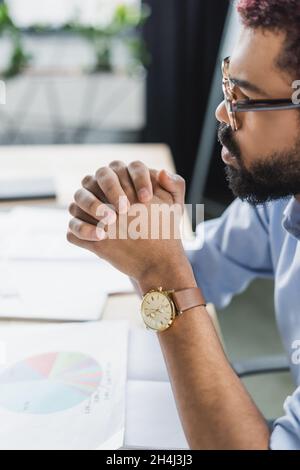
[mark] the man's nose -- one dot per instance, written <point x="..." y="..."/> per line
<point x="221" y="113"/>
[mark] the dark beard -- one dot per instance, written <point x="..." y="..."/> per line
<point x="269" y="179"/>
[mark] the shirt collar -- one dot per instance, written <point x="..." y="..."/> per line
<point x="291" y="218"/>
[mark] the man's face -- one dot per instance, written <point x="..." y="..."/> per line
<point x="263" y="157"/>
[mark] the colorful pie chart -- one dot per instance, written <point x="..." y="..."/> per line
<point x="49" y="383"/>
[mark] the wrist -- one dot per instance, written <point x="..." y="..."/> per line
<point x="170" y="275"/>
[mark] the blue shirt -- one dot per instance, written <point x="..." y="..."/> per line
<point x="246" y="243"/>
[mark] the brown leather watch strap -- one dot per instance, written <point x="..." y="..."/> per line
<point x="188" y="298"/>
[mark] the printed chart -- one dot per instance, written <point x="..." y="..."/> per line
<point x="49" y="383"/>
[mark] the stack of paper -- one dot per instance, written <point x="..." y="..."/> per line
<point x="63" y="387"/>
<point x="43" y="276"/>
<point x="152" y="420"/>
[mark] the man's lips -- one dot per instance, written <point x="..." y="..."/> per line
<point x="227" y="157"/>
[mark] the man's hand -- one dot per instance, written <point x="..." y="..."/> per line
<point x="134" y="183"/>
<point x="95" y="219"/>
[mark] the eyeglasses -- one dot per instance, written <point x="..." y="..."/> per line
<point x="234" y="106"/>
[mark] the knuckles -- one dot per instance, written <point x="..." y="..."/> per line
<point x="87" y="181"/>
<point x="102" y="173"/>
<point x="117" y="165"/>
<point x="78" y="195"/>
<point x="181" y="181"/>
<point x="77" y="228"/>
<point x="109" y="187"/>
<point x="136" y="165"/>
<point x="72" y="208"/>
<point x="84" y="201"/>
<point x="69" y="237"/>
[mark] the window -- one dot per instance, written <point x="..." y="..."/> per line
<point x="57" y="12"/>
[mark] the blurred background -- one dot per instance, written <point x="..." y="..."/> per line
<point x="133" y="71"/>
<point x="105" y="71"/>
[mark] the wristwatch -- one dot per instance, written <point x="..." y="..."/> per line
<point x="160" y="308"/>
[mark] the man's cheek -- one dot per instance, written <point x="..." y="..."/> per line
<point x="252" y="148"/>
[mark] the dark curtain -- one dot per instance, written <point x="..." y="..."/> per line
<point x="183" y="37"/>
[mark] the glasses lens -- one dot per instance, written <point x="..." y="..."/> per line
<point x="228" y="91"/>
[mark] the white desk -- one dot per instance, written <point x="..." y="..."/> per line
<point x="67" y="165"/>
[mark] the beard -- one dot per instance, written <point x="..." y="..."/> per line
<point x="270" y="178"/>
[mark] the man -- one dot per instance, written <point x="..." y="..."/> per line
<point x="258" y="236"/>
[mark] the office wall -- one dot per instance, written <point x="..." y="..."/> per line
<point x="183" y="38"/>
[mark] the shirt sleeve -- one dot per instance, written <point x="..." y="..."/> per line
<point x="286" y="431"/>
<point x="231" y="251"/>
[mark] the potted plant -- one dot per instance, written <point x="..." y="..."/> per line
<point x="18" y="58"/>
<point x="123" y="30"/>
<point x="52" y="94"/>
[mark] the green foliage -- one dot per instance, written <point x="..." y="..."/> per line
<point x="18" y="62"/>
<point x="5" y="20"/>
<point x="19" y="59"/>
<point x="124" y="27"/>
<point x="129" y="17"/>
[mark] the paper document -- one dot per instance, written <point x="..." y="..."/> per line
<point x="34" y="234"/>
<point x="152" y="420"/>
<point x="42" y="276"/>
<point x="145" y="358"/>
<point x="63" y="387"/>
<point x="55" y="291"/>
<point x="52" y="291"/>
<point x="40" y="234"/>
<point x="151" y="417"/>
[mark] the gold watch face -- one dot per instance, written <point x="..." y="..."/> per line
<point x="158" y="311"/>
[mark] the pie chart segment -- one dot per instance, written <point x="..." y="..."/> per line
<point x="49" y="383"/>
<point x="22" y="372"/>
<point x="65" y="363"/>
<point x="42" y="364"/>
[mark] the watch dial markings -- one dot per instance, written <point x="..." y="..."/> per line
<point x="158" y="312"/>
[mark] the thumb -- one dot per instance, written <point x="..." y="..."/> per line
<point x="174" y="184"/>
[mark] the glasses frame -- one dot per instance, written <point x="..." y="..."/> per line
<point x="234" y="106"/>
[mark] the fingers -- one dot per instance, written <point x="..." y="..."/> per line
<point x="121" y="170"/>
<point x="77" y="242"/>
<point x="141" y="178"/>
<point x="114" y="193"/>
<point x="154" y="179"/>
<point x="90" y="204"/>
<point x="120" y="185"/>
<point x="174" y="184"/>
<point x="86" y="232"/>
<point x="90" y="183"/>
<point x="78" y="213"/>
<point x="134" y="179"/>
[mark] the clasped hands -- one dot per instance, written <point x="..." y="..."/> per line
<point x="105" y="208"/>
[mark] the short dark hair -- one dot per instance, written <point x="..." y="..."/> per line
<point x="277" y="15"/>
